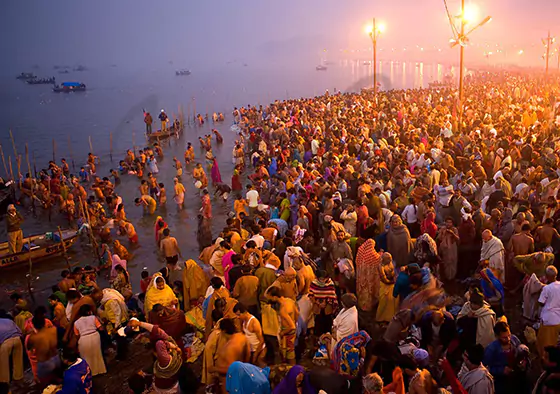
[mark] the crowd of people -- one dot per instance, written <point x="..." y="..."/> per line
<point x="382" y="243"/>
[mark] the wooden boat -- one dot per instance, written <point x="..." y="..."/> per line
<point x="41" y="248"/>
<point x="160" y="135"/>
<point x="183" y="72"/>
<point x="68" y="87"/>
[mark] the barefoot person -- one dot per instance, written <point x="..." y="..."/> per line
<point x="15" y="235"/>
<point x="170" y="249"/>
<point x="179" y="196"/>
<point x="287" y="316"/>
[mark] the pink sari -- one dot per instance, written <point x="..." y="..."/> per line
<point x="216" y="176"/>
<point x="227" y="264"/>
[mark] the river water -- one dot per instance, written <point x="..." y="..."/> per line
<point x="113" y="106"/>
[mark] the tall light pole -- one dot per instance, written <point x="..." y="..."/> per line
<point x="461" y="64"/>
<point x="374" y="32"/>
<point x="547" y="42"/>
<point x="462" y="38"/>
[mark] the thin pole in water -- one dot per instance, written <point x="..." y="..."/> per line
<point x="4" y="162"/>
<point x="54" y="150"/>
<point x="29" y="170"/>
<point x="111" y="145"/>
<point x="71" y="155"/>
<point x="11" y="171"/>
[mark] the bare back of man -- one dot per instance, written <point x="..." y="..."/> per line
<point x="169" y="247"/>
<point x="288" y="316"/>
<point x="522" y="244"/>
<point x="44" y="344"/>
<point x="66" y="284"/>
<point x="236" y="349"/>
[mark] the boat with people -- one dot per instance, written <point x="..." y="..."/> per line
<point x="37" y="247"/>
<point x="42" y="81"/>
<point x="321" y="68"/>
<point x="183" y="72"/>
<point x="176" y="129"/>
<point x="26" y="76"/>
<point x="67" y="87"/>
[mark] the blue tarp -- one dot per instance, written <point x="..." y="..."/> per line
<point x="71" y="84"/>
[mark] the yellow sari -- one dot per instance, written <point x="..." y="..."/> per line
<point x="195" y="282"/>
<point x="165" y="297"/>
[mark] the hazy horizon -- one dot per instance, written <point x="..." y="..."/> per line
<point x="144" y="34"/>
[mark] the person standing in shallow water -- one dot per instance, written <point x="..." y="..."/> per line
<point x="148" y="120"/>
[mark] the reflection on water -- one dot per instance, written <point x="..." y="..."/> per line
<point x="113" y="105"/>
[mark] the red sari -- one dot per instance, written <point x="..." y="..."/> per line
<point x="367" y="275"/>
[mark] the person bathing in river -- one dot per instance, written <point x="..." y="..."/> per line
<point x="189" y="154"/>
<point x="148" y="203"/>
<point x="179" y="196"/>
<point x="219" y="138"/>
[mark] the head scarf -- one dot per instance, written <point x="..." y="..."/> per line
<point x="157" y="228"/>
<point x="245" y="378"/>
<point x="288" y="385"/>
<point x="346" y="355"/>
<point x="116" y="260"/>
<point x="165" y="297"/>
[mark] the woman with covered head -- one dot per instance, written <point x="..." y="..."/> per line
<point x="388" y="305"/>
<point x="159" y="293"/>
<point x="367" y="275"/>
<point x="399" y="243"/>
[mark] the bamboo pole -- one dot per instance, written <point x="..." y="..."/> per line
<point x="29" y="171"/>
<point x="13" y="144"/>
<point x="91" y="236"/>
<point x="30" y="273"/>
<point x="4" y="162"/>
<point x="34" y="166"/>
<point x="71" y="155"/>
<point x="90" y="145"/>
<point x="19" y="171"/>
<point x="11" y="171"/>
<point x="111" y="146"/>
<point x="64" y="252"/>
<point x="54" y="150"/>
<point x="134" y="143"/>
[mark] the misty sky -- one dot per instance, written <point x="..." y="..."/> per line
<point x="146" y="31"/>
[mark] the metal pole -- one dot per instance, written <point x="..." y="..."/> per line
<point x="461" y="65"/>
<point x="374" y="35"/>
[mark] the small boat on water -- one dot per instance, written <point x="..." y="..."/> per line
<point x="67" y="87"/>
<point x="160" y="135"/>
<point x="183" y="72"/>
<point x="43" y="246"/>
<point x="26" y="76"/>
<point x="42" y="81"/>
<point x="321" y="68"/>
